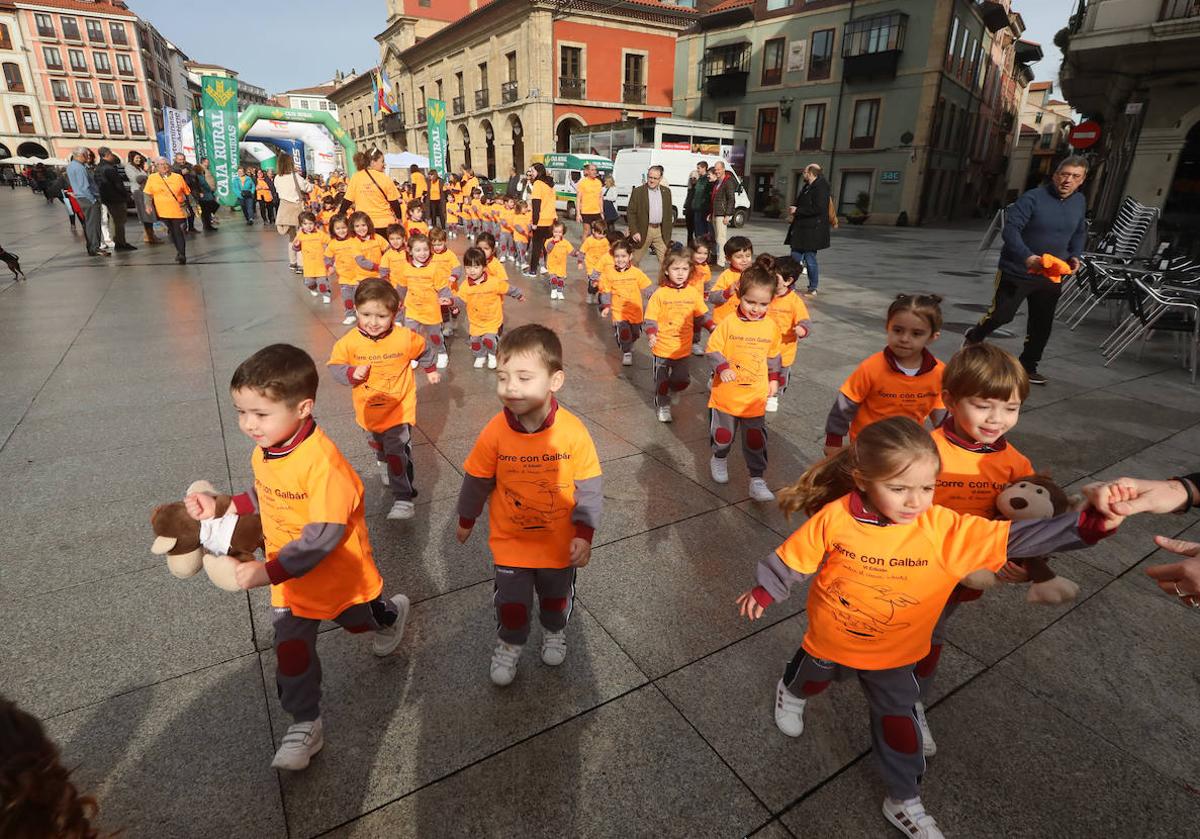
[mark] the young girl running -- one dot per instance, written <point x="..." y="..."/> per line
<point x="675" y="311"/>
<point x="310" y="243"/>
<point x="744" y="353"/>
<point x="423" y="286"/>
<point x="447" y="260"/>
<point x="739" y="253"/>
<point x="791" y="316"/>
<point x="558" y="251"/>
<point x="593" y="247"/>
<point x="884" y="559"/>
<point x="904" y="379"/>
<point x="622" y="289"/>
<point x="339" y="261"/>
<point x="522" y="229"/>
<point x="482" y="297"/>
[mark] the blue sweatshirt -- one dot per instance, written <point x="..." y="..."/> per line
<point x="1040" y="222"/>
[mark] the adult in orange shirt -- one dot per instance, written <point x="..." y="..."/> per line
<point x="437" y="200"/>
<point x="589" y="208"/>
<point x="542" y="199"/>
<point x="469" y="182"/>
<point x="420" y="185"/>
<point x="371" y="191"/>
<point x="169" y="191"/>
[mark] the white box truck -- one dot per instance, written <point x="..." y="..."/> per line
<point x="629" y="170"/>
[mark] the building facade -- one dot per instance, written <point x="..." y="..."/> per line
<point x="354" y="100"/>
<point x="23" y="128"/>
<point x="507" y="96"/>
<point x="1045" y="124"/>
<point x="248" y="94"/>
<point x="166" y="76"/>
<point x="1132" y="66"/>
<point x="909" y="106"/>
<point x="309" y="98"/>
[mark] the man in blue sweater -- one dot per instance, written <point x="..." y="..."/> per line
<point x="1049" y="219"/>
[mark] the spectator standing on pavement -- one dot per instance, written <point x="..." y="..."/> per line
<point x="114" y="196"/>
<point x="169" y="192"/>
<point x="246" y="195"/>
<point x="293" y="194"/>
<point x="651" y="215"/>
<point x="699" y="203"/>
<point x="545" y="213"/>
<point x="608" y="202"/>
<point x="84" y="188"/>
<point x="723" y="198"/>
<point x="513" y="187"/>
<point x="809" y="230"/>
<point x="589" y="206"/>
<point x="1049" y="219"/>
<point x="135" y="176"/>
<point x="205" y="195"/>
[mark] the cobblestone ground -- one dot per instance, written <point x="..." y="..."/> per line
<point x="1074" y="721"/>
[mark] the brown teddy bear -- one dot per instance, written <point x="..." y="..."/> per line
<point x="217" y="545"/>
<point x="1033" y="497"/>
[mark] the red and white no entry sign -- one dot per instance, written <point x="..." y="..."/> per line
<point x="1084" y="135"/>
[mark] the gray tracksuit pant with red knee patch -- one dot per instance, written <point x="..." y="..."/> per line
<point x="394" y="448"/>
<point x="723" y="428"/>
<point x="514" y="590"/>
<point x="484" y="345"/>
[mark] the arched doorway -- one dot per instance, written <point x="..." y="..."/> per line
<point x="1181" y="210"/>
<point x="489" y="138"/>
<point x="466" y="141"/>
<point x="562" y="134"/>
<point x="518" y="143"/>
<point x="32" y="150"/>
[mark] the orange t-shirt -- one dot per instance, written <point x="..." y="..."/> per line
<point x="420" y="185"/>
<point x="168" y="192"/>
<point x="446" y="261"/>
<point x="388" y="397"/>
<point x="435" y="189"/>
<point x="588" y="192"/>
<point x="556" y="256"/>
<point x="342" y="252"/>
<point x="371" y="249"/>
<point x="970" y="481"/>
<point x="391" y="265"/>
<point x="787" y="311"/>
<point x="626" y="290"/>
<point x="878" y="591"/>
<point x="701" y="274"/>
<point x="882" y="391"/>
<point x="675" y="311"/>
<point x="522" y="222"/>
<point x="415" y="227"/>
<point x="314" y="483"/>
<point x="543" y="192"/>
<point x="728" y="279"/>
<point x="748" y="345"/>
<point x="495" y="269"/>
<point x="423" y="282"/>
<point x="593" y="248"/>
<point x="371" y="193"/>
<point x="312" y="252"/>
<point x="485" y="304"/>
<point x="505" y="216"/>
<point x="529" y="511"/>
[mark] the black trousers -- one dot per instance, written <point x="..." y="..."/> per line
<point x="437" y="213"/>
<point x="178" y="239"/>
<point x="1011" y="291"/>
<point x="118" y="213"/>
<point x="537" y="246"/>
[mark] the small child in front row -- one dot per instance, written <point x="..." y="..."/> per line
<point x="310" y="243"/>
<point x="423" y="285"/>
<point x="482" y="297"/>
<point x="744" y="353"/>
<point x="558" y="251"/>
<point x="622" y="289"/>
<point x="739" y="254"/>
<point x="791" y="316"/>
<point x="340" y="252"/>
<point x="375" y="359"/>
<point x="675" y="311"/>
<point x="903" y="379"/>
<point x="536" y="467"/>
<point x="871" y="617"/>
<point x="369" y="250"/>
<point x="594" y="246"/>
<point x="319" y="561"/>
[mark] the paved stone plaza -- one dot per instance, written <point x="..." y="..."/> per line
<point x="1077" y="721"/>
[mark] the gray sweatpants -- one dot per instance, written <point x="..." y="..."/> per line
<point x="394" y="447"/>
<point x="434" y="342"/>
<point x="723" y="428"/>
<point x="514" y="588"/>
<point x="484" y="345"/>
<point x="627" y="334"/>
<point x="670" y="376"/>
<point x="891" y="695"/>
<point x="297" y="667"/>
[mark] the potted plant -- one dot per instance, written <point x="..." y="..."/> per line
<point x="861" y="211"/>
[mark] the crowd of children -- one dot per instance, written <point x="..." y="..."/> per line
<point x="882" y="527"/>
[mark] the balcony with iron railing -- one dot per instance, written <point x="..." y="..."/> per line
<point x="725" y="70"/>
<point x="633" y="94"/>
<point x="420" y="116"/>
<point x="871" y="47"/>
<point x="508" y="92"/>
<point x="457" y="106"/>
<point x="571" y="88"/>
<point x="481" y="99"/>
<point x="393" y="122"/>
<point x="1179" y="9"/>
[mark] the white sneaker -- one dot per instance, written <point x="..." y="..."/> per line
<point x="789" y="711"/>
<point x="300" y="743"/>
<point x="413" y="364"/>
<point x="928" y="746"/>
<point x="627" y="359"/>
<point x="324" y="298"/>
<point x="313" y="292"/>
<point x="402" y="510"/>
<point x="664" y="414"/>
<point x="554" y="648"/>
<point x="759" y="490"/>
<point x="697" y="349"/>
<point x="491" y="361"/>
<point x="383" y="473"/>
<point x="442" y="361"/>
<point x="479" y="362"/>
<point x="504" y="663"/>
<point x="772" y="404"/>
<point x="387" y="639"/>
<point x="719" y="467"/>
<point x="912" y="820"/>
<point x="349" y="319"/>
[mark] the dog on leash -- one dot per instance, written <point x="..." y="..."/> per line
<point x="14" y="264"/>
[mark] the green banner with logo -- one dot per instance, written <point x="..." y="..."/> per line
<point x="220" y="102"/>
<point x="435" y="116"/>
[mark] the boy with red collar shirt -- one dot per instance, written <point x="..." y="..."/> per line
<point x="483" y="299"/>
<point x="904" y="379"/>
<point x="375" y="360"/>
<point x="319" y="561"/>
<point x="423" y="286"/>
<point x="623" y="293"/>
<point x="447" y="260"/>
<point x="536" y="467"/>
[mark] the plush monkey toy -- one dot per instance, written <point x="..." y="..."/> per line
<point x="217" y="545"/>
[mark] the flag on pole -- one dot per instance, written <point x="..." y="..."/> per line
<point x="382" y="92"/>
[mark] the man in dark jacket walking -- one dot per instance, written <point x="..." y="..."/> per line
<point x="724" y="195"/>
<point x="697" y="203"/>
<point x="809" y="230"/>
<point x="114" y="195"/>
<point x="1049" y="219"/>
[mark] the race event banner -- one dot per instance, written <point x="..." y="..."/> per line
<point x="174" y="121"/>
<point x="435" y="115"/>
<point x="220" y="104"/>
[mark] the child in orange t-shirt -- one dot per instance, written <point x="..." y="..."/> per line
<point x="535" y="466"/>
<point x="883" y="558"/>
<point x="623" y="287"/>
<point x="375" y="360"/>
<point x="739" y="253"/>
<point x="482" y="297"/>
<point x="369" y="248"/>
<point x="423" y="286"/>
<point x="744" y="353"/>
<point x="522" y="229"/>
<point x="791" y="316"/>
<point x="395" y="258"/>
<point x="447" y="261"/>
<point x="904" y="379"/>
<point x="594" y="246"/>
<point x="415" y="222"/>
<point x="675" y="311"/>
<point x="702" y="278"/>
<point x="505" y="245"/>
<point x="310" y="243"/>
<point x="319" y="561"/>
<point x="340" y="253"/>
<point x="558" y="251"/>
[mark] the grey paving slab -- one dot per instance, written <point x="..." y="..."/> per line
<point x="393" y="725"/>
<point x="773" y="830"/>
<point x="632" y="767"/>
<point x="641" y="494"/>
<point x="974" y="790"/>
<point x="642" y="428"/>
<point x="188" y="757"/>
<point x="65" y="394"/>
<point x="729" y="697"/>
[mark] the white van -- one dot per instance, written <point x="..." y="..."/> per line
<point x="629" y="170"/>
